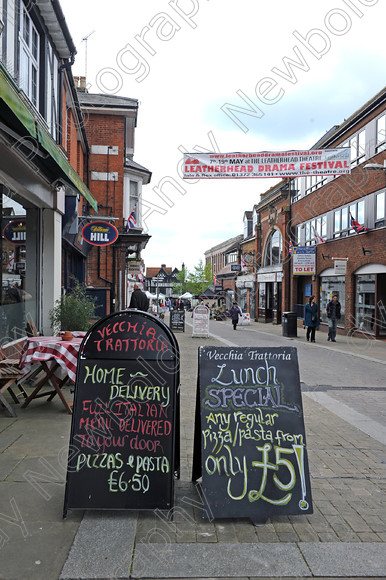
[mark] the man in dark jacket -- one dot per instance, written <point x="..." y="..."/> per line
<point x="139" y="299"/>
<point x="333" y="315"/>
<point x="235" y="313"/>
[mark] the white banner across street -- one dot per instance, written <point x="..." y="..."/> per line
<point x="267" y="164"/>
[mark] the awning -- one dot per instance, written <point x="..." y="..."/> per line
<point x="10" y="95"/>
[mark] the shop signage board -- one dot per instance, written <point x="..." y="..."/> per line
<point x="235" y="267"/>
<point x="133" y="267"/>
<point x="250" y="443"/>
<point x="266" y="277"/>
<point x="15" y="232"/>
<point x="124" y="441"/>
<point x="340" y="267"/>
<point x="303" y="260"/>
<point x="177" y="320"/>
<point x="267" y="164"/>
<point x="100" y="233"/>
<point x="218" y="288"/>
<point x="201" y="321"/>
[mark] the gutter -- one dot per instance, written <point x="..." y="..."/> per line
<point x="63" y="24"/>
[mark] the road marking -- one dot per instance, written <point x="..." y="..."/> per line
<point x="358" y="420"/>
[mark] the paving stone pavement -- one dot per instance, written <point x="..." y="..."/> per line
<point x="343" y="538"/>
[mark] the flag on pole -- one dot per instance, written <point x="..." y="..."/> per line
<point x="131" y="222"/>
<point x="215" y="280"/>
<point x="290" y="247"/>
<point x="243" y="263"/>
<point x="357" y="226"/>
<point x="318" y="238"/>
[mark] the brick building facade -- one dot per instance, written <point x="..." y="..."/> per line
<point x="272" y="235"/>
<point x="116" y="181"/>
<point x="316" y="212"/>
<point x="326" y="206"/>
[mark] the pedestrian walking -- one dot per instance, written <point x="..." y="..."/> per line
<point x="235" y="312"/>
<point x="139" y="299"/>
<point x="311" y="319"/>
<point x="333" y="315"/>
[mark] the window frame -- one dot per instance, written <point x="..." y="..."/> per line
<point x="29" y="56"/>
<point x="354" y="143"/>
<point x="379" y="222"/>
<point x="268" y="255"/>
<point x="380" y="144"/>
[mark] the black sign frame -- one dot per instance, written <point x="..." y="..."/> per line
<point x="124" y="444"/>
<point x="249" y="441"/>
<point x="177" y="320"/>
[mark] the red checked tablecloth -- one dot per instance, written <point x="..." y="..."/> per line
<point x="47" y="348"/>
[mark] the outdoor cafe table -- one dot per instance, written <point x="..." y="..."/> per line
<point x="57" y="358"/>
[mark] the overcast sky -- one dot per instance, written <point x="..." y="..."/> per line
<point x="190" y="62"/>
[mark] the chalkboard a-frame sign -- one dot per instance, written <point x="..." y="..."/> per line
<point x="124" y="442"/>
<point x="250" y="444"/>
<point x="177" y="320"/>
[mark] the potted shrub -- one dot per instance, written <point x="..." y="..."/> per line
<point x="73" y="311"/>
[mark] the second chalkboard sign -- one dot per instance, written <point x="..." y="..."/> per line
<point x="177" y="320"/>
<point x="123" y="450"/>
<point x="250" y="444"/>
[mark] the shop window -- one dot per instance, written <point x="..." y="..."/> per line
<point x="365" y="302"/>
<point x="329" y="286"/>
<point x="381" y="134"/>
<point x="262" y="296"/>
<point x="18" y="291"/>
<point x="273" y="251"/>
<point x="380" y="209"/>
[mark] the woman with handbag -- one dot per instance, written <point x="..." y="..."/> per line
<point x="311" y="319"/>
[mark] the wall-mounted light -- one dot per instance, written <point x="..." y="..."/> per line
<point x="375" y="166"/>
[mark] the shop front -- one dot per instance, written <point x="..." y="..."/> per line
<point x="269" y="288"/>
<point x="330" y="285"/>
<point x="370" y="299"/>
<point x="246" y="294"/>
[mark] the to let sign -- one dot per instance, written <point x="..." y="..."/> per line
<point x="100" y="233"/>
<point x="250" y="444"/>
<point x="125" y="422"/>
<point x="303" y="261"/>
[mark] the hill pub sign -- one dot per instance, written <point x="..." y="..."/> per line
<point x="15" y="232"/>
<point x="100" y="233"/>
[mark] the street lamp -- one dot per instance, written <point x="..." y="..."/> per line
<point x="375" y="166"/>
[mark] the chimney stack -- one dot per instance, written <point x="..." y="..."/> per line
<point x="80" y="84"/>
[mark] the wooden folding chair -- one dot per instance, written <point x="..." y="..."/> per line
<point x="31" y="329"/>
<point x="10" y="373"/>
<point x="8" y="376"/>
